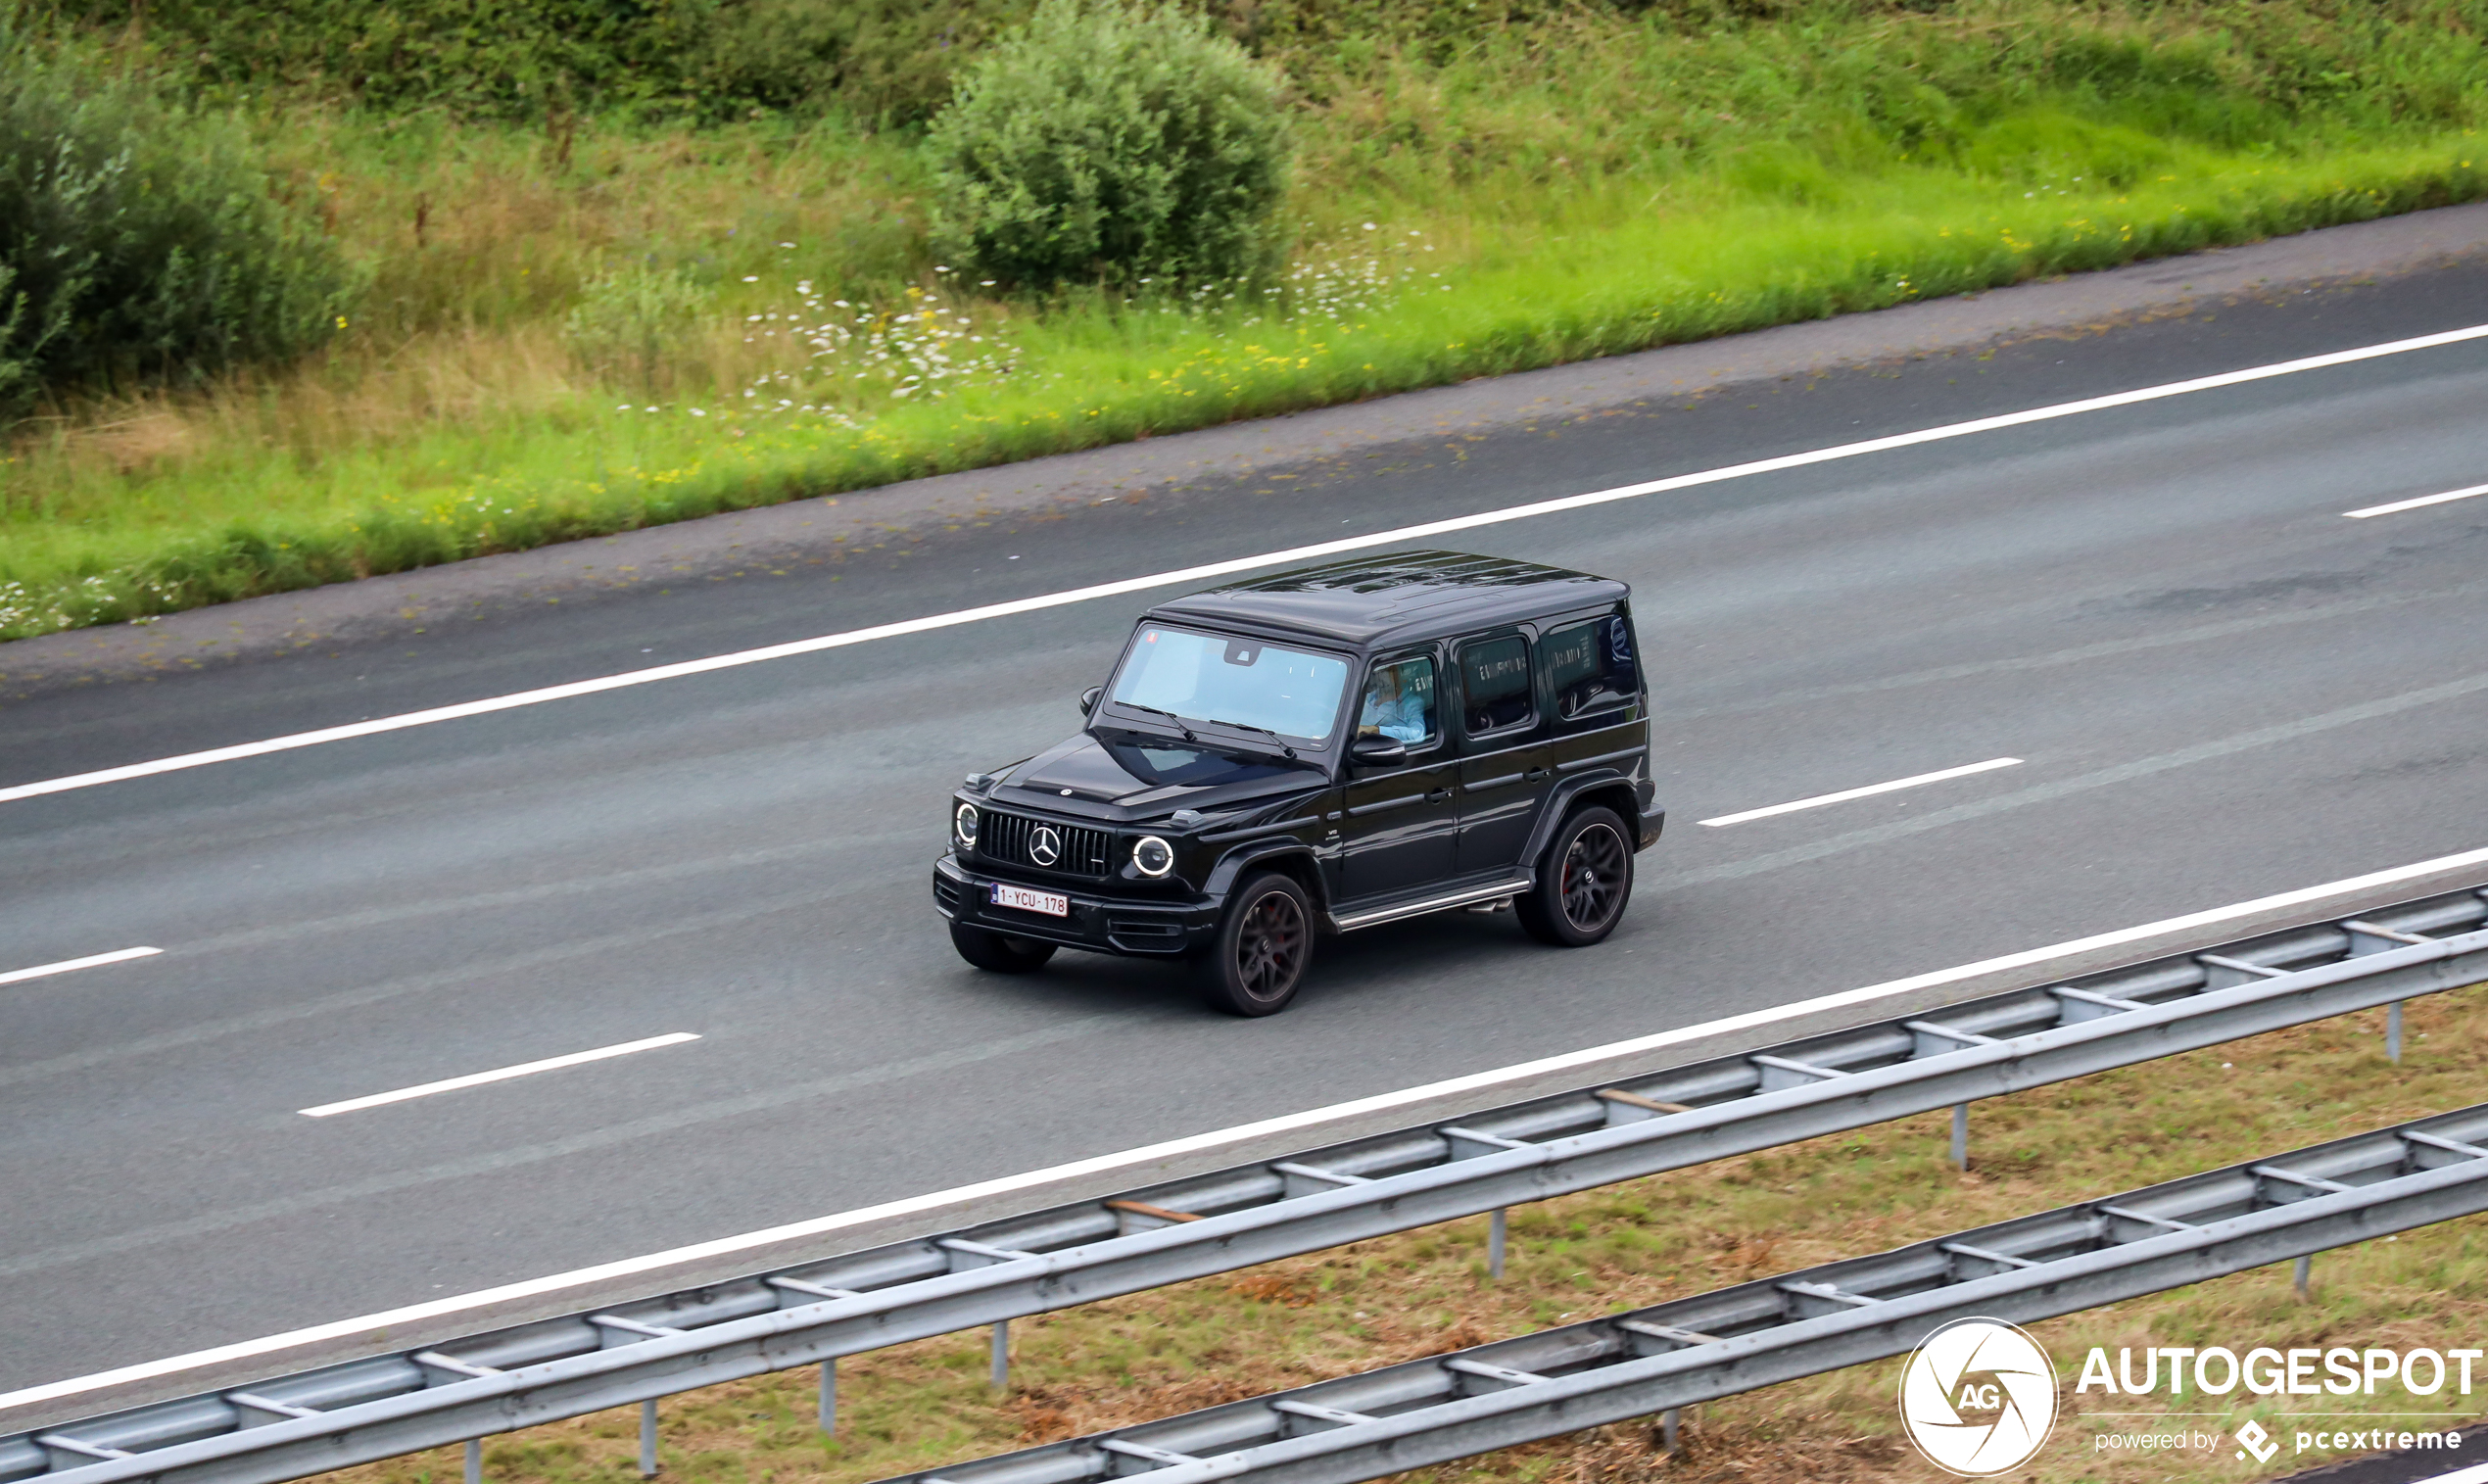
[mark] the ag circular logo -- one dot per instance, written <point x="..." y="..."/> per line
<point x="1979" y="1397"/>
<point x="1045" y="846"/>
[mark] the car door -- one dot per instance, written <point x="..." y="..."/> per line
<point x="1591" y="680"/>
<point x="1399" y="823"/>
<point x="1506" y="770"/>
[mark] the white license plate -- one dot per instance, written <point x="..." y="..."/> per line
<point x="1052" y="904"/>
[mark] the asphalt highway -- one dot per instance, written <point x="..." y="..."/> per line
<point x="2217" y="687"/>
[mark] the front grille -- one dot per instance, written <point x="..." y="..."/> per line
<point x="1009" y="836"/>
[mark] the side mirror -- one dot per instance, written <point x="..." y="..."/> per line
<point x="1377" y="752"/>
<point x="1088" y="699"/>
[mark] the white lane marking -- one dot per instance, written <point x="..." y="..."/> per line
<point x="1871" y="790"/>
<point x="374" y="1326"/>
<point x="1228" y="568"/>
<point x="498" y="1075"/>
<point x="2413" y="505"/>
<point x="69" y="965"/>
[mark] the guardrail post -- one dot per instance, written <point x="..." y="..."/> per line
<point x="2393" y="1032"/>
<point x="475" y="1460"/>
<point x="1497" y="1235"/>
<point x="1960" y="1136"/>
<point x="647" y="1439"/>
<point x="1667" y="1422"/>
<point x="2302" y="1274"/>
<point x="829" y="1396"/>
<point x="1001" y="1355"/>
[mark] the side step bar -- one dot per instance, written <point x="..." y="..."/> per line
<point x="1351" y="922"/>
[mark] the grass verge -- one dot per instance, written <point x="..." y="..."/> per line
<point x="920" y="1406"/>
<point x="611" y="325"/>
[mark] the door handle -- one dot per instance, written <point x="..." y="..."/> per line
<point x="1437" y="795"/>
<point x="1537" y="775"/>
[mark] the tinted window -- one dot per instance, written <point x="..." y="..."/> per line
<point x="1493" y="678"/>
<point x="1590" y="666"/>
<point x="1399" y="703"/>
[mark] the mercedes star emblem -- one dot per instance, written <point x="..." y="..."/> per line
<point x="1045" y="848"/>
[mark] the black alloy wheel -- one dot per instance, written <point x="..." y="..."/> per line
<point x="1584" y="881"/>
<point x="999" y="952"/>
<point x="1263" y="949"/>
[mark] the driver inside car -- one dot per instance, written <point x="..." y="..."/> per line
<point x="1395" y="708"/>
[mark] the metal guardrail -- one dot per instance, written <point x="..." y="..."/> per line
<point x="1672" y="1355"/>
<point x="386" y="1406"/>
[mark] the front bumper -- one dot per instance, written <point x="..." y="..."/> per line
<point x="1653" y="821"/>
<point x="1137" y="929"/>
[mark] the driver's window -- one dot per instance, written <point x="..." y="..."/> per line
<point x="1399" y="703"/>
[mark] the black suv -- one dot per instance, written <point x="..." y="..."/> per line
<point x="1337" y="746"/>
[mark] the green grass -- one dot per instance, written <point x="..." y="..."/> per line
<point x="1123" y="1361"/>
<point x="1583" y="186"/>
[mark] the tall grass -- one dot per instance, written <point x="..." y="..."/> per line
<point x="1471" y="201"/>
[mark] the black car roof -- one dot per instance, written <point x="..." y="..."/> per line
<point x="1400" y="597"/>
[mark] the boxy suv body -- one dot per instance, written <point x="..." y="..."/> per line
<point x="1334" y="748"/>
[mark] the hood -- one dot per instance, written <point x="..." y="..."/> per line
<point x="1144" y="777"/>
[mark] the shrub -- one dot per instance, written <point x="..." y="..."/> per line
<point x="883" y="61"/>
<point x="520" y="59"/>
<point x="1111" y="139"/>
<point x="140" y="243"/>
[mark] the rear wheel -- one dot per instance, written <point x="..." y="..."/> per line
<point x="1263" y="949"/>
<point x="1584" y="881"/>
<point x="999" y="952"/>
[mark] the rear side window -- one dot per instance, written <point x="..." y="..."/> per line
<point x="1495" y="691"/>
<point x="1590" y="666"/>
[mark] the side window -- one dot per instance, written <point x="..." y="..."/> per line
<point x="1399" y="703"/>
<point x="1590" y="666"/>
<point x="1495" y="691"/>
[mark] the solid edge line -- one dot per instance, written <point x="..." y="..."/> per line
<point x="70" y="965"/>
<point x="1869" y="791"/>
<point x="1233" y="565"/>
<point x="1194" y="1143"/>
<point x="2412" y="505"/>
<point x="497" y="1075"/>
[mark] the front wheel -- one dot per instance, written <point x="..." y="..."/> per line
<point x="999" y="952"/>
<point x="1263" y="949"/>
<point x="1584" y="881"/>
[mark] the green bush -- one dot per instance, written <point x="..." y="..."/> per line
<point x="883" y="61"/>
<point x="141" y="243"/>
<point x="523" y="58"/>
<point x="1111" y="140"/>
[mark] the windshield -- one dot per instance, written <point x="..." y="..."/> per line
<point x="1239" y="682"/>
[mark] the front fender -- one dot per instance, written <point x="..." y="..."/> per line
<point x="1254" y="854"/>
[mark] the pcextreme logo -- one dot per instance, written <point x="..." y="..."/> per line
<point x="1978" y="1397"/>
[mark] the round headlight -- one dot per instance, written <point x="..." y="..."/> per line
<point x="964" y="825"/>
<point x="1152" y="856"/>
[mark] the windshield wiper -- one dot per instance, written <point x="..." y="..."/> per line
<point x="1130" y="705"/>
<point x="1246" y="726"/>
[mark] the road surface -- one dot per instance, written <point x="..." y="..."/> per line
<point x="2217" y="685"/>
